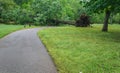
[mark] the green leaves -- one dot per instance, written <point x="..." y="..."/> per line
<point x="20" y="2"/>
<point x="41" y="11"/>
<point x="101" y="5"/>
<point x="46" y="10"/>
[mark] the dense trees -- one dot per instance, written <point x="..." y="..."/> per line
<point x="53" y="12"/>
<point x="39" y="11"/>
<point x="5" y="5"/>
<point x="46" y="10"/>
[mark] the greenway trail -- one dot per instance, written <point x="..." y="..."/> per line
<point x="23" y="52"/>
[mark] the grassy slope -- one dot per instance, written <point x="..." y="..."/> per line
<point x="6" y="29"/>
<point x="86" y="50"/>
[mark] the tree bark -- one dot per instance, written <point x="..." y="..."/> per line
<point x="107" y="16"/>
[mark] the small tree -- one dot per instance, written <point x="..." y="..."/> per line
<point x="106" y="6"/>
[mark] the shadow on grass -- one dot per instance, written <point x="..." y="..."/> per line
<point x="113" y="36"/>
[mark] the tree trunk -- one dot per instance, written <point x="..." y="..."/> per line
<point x="64" y="22"/>
<point x="107" y="16"/>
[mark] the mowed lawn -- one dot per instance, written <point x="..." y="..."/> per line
<point x="86" y="50"/>
<point x="6" y="29"/>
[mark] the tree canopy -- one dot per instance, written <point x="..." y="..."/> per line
<point x="106" y="6"/>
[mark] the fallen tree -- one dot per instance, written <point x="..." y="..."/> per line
<point x="57" y="22"/>
<point x="83" y="21"/>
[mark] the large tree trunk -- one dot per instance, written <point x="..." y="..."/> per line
<point x="107" y="16"/>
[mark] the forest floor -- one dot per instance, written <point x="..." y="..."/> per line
<point x="87" y="50"/>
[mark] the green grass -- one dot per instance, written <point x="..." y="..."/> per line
<point x="86" y="50"/>
<point x="6" y="29"/>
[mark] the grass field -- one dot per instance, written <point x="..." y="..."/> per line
<point x="6" y="29"/>
<point x="86" y="50"/>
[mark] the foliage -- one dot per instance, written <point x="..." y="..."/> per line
<point x="21" y="2"/>
<point x="77" y="50"/>
<point x="97" y="18"/>
<point x="116" y="18"/>
<point x="103" y="5"/>
<point x="5" y="5"/>
<point x="42" y="12"/>
<point x="70" y="9"/>
<point x="46" y="10"/>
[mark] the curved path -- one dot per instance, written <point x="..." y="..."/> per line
<point x="23" y="52"/>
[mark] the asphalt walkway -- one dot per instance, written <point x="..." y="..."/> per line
<point x="23" y="52"/>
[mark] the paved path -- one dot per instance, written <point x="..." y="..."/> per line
<point x="23" y="52"/>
